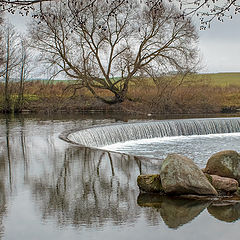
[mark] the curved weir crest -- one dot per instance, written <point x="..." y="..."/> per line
<point x="109" y="134"/>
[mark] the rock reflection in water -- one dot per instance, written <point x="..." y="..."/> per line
<point x="175" y="212"/>
<point x="226" y="213"/>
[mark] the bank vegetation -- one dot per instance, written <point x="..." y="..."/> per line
<point x="198" y="94"/>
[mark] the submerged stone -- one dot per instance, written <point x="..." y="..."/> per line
<point x="180" y="175"/>
<point x="150" y="183"/>
<point x="224" y="164"/>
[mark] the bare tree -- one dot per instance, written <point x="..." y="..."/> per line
<point x="207" y="10"/>
<point x="23" y="71"/>
<point x="7" y="104"/>
<point x="21" y="6"/>
<point x="106" y="51"/>
<point x="1" y="50"/>
<point x="24" y="7"/>
<point x="10" y="62"/>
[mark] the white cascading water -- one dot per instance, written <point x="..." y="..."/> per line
<point x="109" y="134"/>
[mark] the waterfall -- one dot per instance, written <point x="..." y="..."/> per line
<point x="109" y="134"/>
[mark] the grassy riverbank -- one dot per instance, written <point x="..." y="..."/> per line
<point x="202" y="93"/>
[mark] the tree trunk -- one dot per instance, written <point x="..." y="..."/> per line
<point x="7" y="104"/>
<point x="19" y="104"/>
<point x="118" y="98"/>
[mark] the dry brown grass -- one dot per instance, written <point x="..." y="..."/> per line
<point x="143" y="96"/>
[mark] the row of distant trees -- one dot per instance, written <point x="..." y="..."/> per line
<point x="106" y="44"/>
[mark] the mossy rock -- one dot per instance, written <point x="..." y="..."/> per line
<point x="209" y="178"/>
<point x="150" y="183"/>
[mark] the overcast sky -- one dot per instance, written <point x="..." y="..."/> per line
<point x="219" y="46"/>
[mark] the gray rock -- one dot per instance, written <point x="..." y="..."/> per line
<point x="180" y="175"/>
<point x="224" y="164"/>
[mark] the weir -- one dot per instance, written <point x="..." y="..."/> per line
<point x="109" y="134"/>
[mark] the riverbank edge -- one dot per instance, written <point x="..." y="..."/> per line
<point x="126" y="107"/>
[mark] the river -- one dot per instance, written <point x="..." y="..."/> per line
<point x="51" y="189"/>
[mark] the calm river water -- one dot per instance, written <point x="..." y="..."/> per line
<point x="51" y="189"/>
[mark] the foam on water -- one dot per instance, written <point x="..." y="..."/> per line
<point x="133" y="143"/>
<point x="197" y="147"/>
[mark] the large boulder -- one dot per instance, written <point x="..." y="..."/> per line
<point x="150" y="183"/>
<point x="223" y="184"/>
<point x="224" y="164"/>
<point x="180" y="175"/>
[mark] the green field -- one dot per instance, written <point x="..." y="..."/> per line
<point x="223" y="79"/>
<point x="215" y="79"/>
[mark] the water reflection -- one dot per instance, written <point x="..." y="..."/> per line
<point x="87" y="189"/>
<point x="90" y="187"/>
<point x="5" y="165"/>
<point x="2" y="207"/>
<point x="226" y="213"/>
<point x="175" y="212"/>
